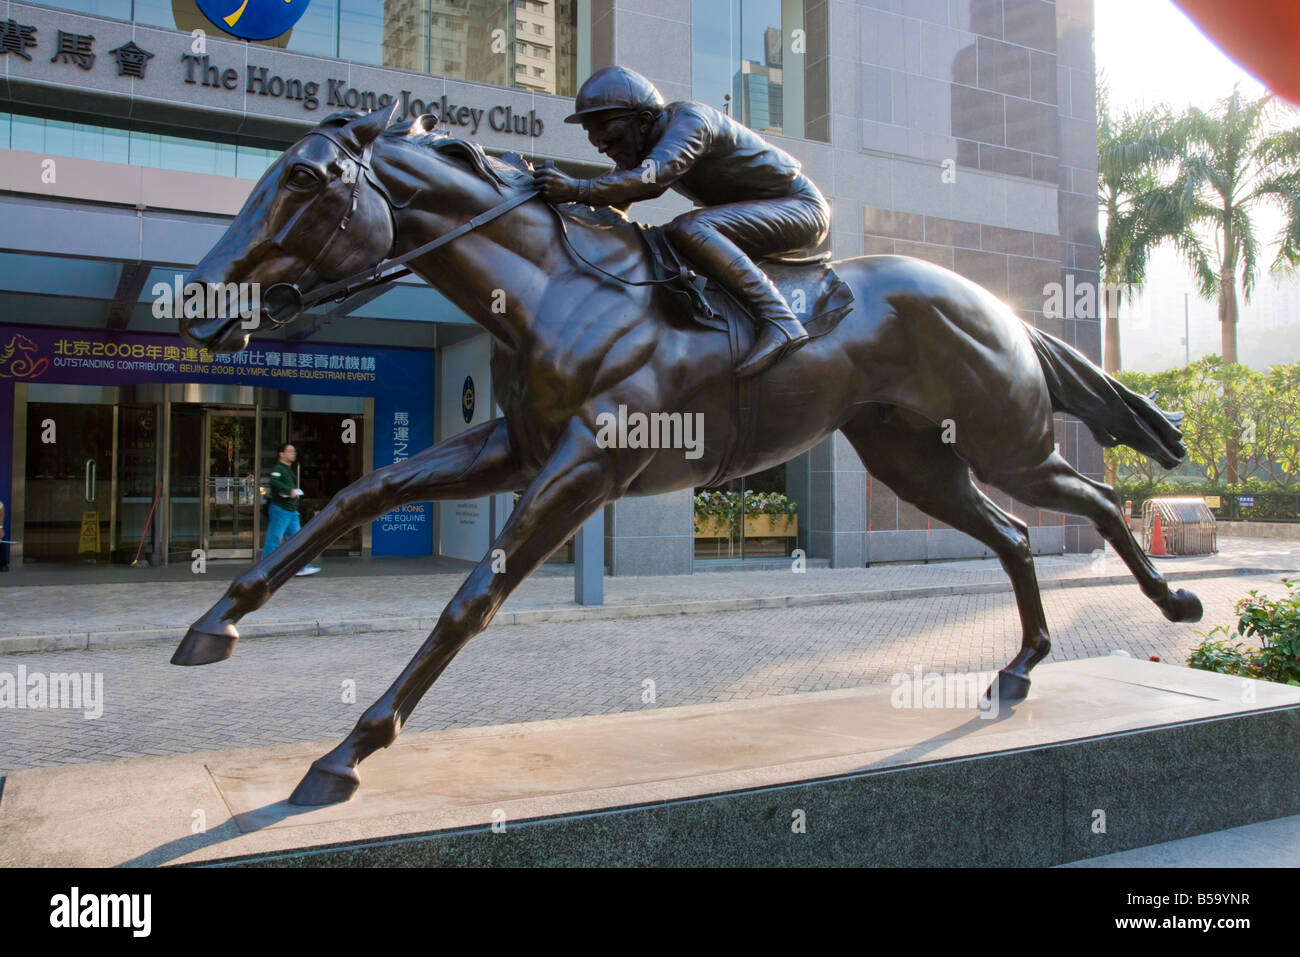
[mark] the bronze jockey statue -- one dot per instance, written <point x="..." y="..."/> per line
<point x="755" y="200"/>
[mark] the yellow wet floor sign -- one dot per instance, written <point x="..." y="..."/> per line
<point x="89" y="533"/>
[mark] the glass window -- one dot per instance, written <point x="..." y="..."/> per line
<point x="745" y="62"/>
<point x="64" y="139"/>
<point x="751" y="517"/>
<point x="406" y="34"/>
<point x="106" y="144"/>
<point x="362" y="31"/>
<point x="315" y="33"/>
<point x="251" y="163"/>
<point x="113" y="9"/>
<point x="186" y="155"/>
<point x="28" y="133"/>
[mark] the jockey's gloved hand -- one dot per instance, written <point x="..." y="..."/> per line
<point x="557" y="186"/>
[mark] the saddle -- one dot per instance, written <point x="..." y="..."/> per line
<point x="810" y="287"/>
<point x="815" y="294"/>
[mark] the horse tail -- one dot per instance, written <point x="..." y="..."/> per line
<point x="1113" y="413"/>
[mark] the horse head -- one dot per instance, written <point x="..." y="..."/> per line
<point x="316" y="215"/>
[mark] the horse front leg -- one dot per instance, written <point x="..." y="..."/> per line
<point x="475" y="463"/>
<point x="572" y="486"/>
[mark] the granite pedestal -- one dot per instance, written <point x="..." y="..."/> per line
<point x="1105" y="755"/>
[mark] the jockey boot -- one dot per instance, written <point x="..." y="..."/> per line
<point x="778" y="332"/>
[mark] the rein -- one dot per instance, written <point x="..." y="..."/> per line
<point x="292" y="300"/>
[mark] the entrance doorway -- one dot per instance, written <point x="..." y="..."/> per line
<point x="90" y="480"/>
<point x="69" y="482"/>
<point x="105" y="475"/>
<point x="231" y="506"/>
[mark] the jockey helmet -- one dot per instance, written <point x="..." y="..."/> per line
<point x="615" y="88"/>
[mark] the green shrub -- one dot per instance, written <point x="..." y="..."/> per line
<point x="1270" y="503"/>
<point x="1275" y="624"/>
<point x="726" y="505"/>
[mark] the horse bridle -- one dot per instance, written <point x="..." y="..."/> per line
<point x="389" y="269"/>
<point x="392" y="268"/>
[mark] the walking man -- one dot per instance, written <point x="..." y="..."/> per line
<point x="283" y="511"/>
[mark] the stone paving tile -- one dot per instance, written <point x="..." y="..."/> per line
<point x="292" y="688"/>
<point x="154" y="604"/>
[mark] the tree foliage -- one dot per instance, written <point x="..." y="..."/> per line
<point x="1140" y="206"/>
<point x="1231" y="162"/>
<point x="1224" y="405"/>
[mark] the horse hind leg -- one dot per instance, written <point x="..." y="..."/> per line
<point x="1055" y="484"/>
<point x="924" y="470"/>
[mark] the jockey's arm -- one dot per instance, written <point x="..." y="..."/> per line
<point x="684" y="141"/>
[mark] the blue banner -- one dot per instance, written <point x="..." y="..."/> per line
<point x="399" y="380"/>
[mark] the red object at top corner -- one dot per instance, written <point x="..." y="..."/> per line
<point x="1260" y="35"/>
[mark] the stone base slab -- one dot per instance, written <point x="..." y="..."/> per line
<point x="1105" y="755"/>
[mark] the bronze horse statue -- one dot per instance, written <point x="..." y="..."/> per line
<point x="929" y="376"/>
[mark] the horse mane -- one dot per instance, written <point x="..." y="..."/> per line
<point x="508" y="173"/>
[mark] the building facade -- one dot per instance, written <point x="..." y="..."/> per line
<point x="131" y="132"/>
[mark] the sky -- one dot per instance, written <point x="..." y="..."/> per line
<point x="1181" y="67"/>
<point x="1151" y="53"/>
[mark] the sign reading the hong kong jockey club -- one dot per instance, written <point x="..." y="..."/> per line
<point x="253" y="19"/>
<point x="169" y="68"/>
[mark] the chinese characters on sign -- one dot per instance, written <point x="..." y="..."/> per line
<point x="251" y="364"/>
<point x="15" y="38"/>
<point x="75" y="48"/>
<point x="401" y="435"/>
<point x="131" y="60"/>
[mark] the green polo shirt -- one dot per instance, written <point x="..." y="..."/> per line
<point x="280" y="486"/>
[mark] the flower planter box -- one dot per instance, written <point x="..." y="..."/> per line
<point x="771" y="526"/>
<point x="712" y="527"/>
<point x="756" y="526"/>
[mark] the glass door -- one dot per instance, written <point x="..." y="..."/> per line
<point x="138" y="485"/>
<point x="185" y="469"/>
<point x="750" y="517"/>
<point x="69" y="489"/>
<point x="330" y="458"/>
<point x="231" y="518"/>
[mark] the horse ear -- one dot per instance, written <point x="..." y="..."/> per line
<point x="364" y="131"/>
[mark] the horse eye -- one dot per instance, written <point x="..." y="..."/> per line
<point x="303" y="177"/>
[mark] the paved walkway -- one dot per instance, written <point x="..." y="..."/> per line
<point x="355" y="596"/>
<point x="1273" y="843"/>
<point x="309" y="688"/>
<point x="858" y="628"/>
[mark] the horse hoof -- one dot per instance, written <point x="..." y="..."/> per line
<point x="200" y="647"/>
<point x="1008" y="687"/>
<point x="1182" y="605"/>
<point x="320" y="786"/>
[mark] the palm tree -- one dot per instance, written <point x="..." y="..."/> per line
<point x="1230" y="163"/>
<point x="1142" y="210"/>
